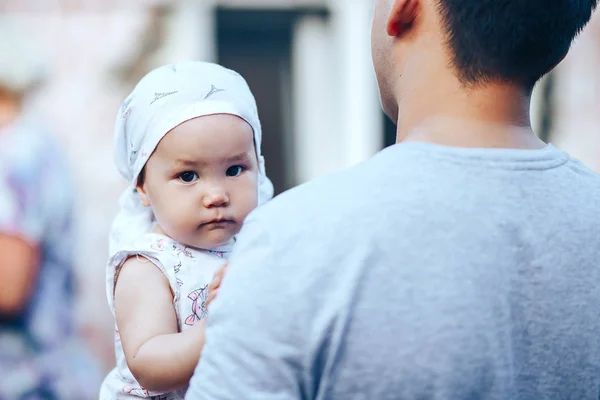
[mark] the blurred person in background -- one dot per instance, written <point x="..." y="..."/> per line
<point x="40" y="354"/>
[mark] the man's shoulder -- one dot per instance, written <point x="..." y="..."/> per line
<point x="585" y="172"/>
<point x="339" y="195"/>
<point x="304" y="199"/>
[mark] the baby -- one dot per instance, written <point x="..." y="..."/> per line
<point x="188" y="139"/>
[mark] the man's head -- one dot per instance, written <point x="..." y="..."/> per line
<point x="484" y="41"/>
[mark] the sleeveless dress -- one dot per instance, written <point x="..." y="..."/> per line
<point x="189" y="271"/>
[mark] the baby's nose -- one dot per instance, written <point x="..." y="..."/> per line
<point x="215" y="197"/>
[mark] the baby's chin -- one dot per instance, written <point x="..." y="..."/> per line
<point x="210" y="241"/>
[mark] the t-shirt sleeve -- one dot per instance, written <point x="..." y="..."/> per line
<point x="255" y="333"/>
<point x="19" y="215"/>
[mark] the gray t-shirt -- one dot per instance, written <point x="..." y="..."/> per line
<point x="427" y="272"/>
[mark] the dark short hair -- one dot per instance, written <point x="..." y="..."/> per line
<point x="516" y="41"/>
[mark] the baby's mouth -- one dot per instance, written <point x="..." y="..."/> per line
<point x="217" y="223"/>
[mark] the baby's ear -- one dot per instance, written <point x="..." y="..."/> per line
<point x="141" y="188"/>
<point x="144" y="199"/>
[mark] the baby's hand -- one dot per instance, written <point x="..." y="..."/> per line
<point x="213" y="287"/>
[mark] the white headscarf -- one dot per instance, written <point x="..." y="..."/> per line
<point x="165" y="98"/>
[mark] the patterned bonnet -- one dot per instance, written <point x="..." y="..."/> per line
<point x="165" y="98"/>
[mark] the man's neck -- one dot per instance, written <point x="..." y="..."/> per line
<point x="446" y="113"/>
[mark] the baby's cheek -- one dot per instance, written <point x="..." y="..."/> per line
<point x="237" y="229"/>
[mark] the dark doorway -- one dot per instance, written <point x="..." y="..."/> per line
<point x="257" y="44"/>
<point x="389" y="131"/>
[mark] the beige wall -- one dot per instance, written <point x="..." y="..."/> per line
<point x="577" y="98"/>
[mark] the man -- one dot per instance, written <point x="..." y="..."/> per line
<point x="462" y="263"/>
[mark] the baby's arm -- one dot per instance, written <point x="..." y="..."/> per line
<point x="160" y="358"/>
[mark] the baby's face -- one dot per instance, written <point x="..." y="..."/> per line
<point x="202" y="179"/>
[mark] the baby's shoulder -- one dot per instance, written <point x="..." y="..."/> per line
<point x="154" y="242"/>
<point x="177" y="258"/>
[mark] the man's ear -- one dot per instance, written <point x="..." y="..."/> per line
<point x="402" y="15"/>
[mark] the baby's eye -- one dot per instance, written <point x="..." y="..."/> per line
<point x="188" y="176"/>
<point x="235" y="170"/>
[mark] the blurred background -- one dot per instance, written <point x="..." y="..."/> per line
<point x="307" y="62"/>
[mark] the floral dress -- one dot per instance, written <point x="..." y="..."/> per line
<point x="189" y="271"/>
